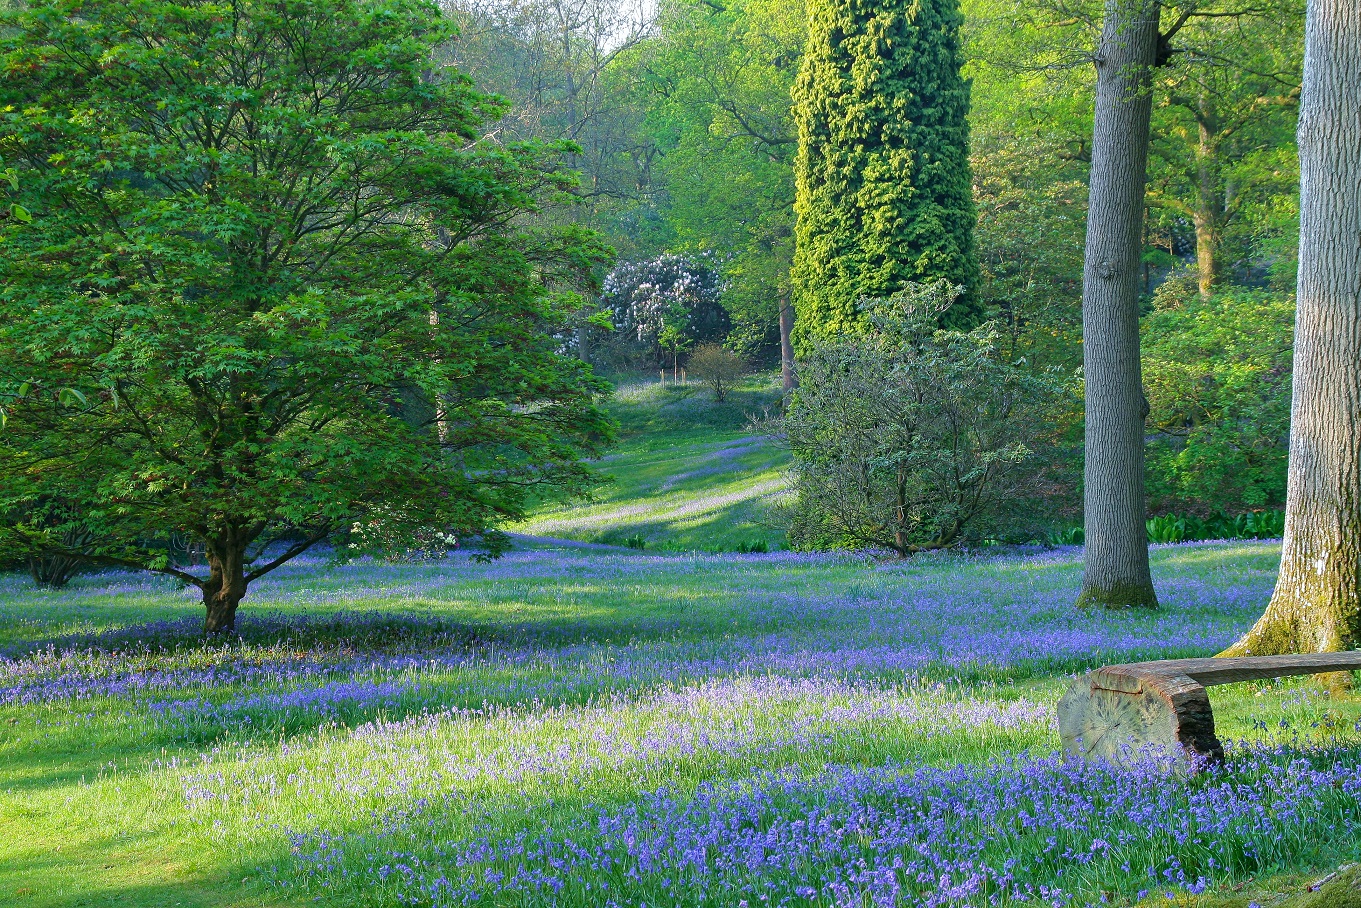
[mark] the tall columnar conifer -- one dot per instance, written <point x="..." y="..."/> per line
<point x="883" y="184"/>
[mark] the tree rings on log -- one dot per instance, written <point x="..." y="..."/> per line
<point x="1123" y="725"/>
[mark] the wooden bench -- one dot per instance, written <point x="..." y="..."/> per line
<point x="1118" y="710"/>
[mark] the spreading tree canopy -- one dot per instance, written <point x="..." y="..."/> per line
<point x="883" y="194"/>
<point x="273" y="288"/>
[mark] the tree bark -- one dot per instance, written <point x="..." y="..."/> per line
<point x="226" y="584"/>
<point x="1316" y="606"/>
<point x="1209" y="211"/>
<point x="1116" y="573"/>
<point x="788" y="381"/>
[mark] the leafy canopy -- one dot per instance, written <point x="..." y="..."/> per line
<point x="284" y="281"/>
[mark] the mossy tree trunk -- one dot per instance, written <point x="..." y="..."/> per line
<point x="1116" y="573"/>
<point x="1317" y="603"/>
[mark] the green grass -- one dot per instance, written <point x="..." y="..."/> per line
<point x="577" y="680"/>
<point x="687" y="475"/>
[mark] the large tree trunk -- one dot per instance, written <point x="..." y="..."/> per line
<point x="1116" y="571"/>
<point x="226" y="585"/>
<point x="787" y="379"/>
<point x="1317" y="603"/>
<point x="1207" y="246"/>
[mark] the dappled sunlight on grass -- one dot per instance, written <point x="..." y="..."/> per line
<point x="490" y="727"/>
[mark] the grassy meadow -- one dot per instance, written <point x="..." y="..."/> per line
<point x="590" y="727"/>
<point x="686" y="476"/>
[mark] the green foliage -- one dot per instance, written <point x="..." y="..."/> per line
<point x="1226" y="107"/>
<point x="882" y="175"/>
<point x="273" y="265"/>
<point x="1030" y="121"/>
<point x="1168" y="528"/>
<point x="1217" y="376"/>
<point x="9" y="183"/>
<point x="1069" y="536"/>
<point x="909" y="437"/>
<point x="717" y="82"/>
<point x="717" y="367"/>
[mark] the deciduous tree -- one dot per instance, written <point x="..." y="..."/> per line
<point x="1115" y="562"/>
<point x="1316" y="606"/>
<point x="282" y="282"/>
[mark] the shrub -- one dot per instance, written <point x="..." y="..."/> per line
<point x="49" y="536"/>
<point x="1068" y="536"/>
<point x="1190" y="528"/>
<point x="910" y="437"/>
<point x="718" y="367"/>
<point x="666" y="304"/>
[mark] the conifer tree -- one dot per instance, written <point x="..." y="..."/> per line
<point x="883" y="183"/>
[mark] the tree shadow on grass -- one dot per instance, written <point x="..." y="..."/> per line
<point x="47" y="868"/>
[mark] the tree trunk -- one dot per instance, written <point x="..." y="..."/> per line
<point x="584" y="343"/>
<point x="787" y="378"/>
<point x="1209" y="206"/>
<point x="1317" y="603"/>
<point x="1207" y="243"/>
<point x="1116" y="571"/>
<point x="225" y="587"/>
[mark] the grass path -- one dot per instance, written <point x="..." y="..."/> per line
<point x="688" y="475"/>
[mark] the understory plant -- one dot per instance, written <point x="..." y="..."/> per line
<point x="910" y="437"/>
<point x="718" y="367"/>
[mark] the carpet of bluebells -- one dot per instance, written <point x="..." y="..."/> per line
<point x="573" y="727"/>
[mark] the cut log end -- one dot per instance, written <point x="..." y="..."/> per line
<point x="1099" y="723"/>
<point x="1123" y="726"/>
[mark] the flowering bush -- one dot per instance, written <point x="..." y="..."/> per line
<point x="668" y="303"/>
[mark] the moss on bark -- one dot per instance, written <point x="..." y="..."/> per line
<point x="1118" y="596"/>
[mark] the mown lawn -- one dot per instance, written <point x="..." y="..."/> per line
<point x="587" y="728"/>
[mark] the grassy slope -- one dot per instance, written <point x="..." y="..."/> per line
<point x="686" y="476"/>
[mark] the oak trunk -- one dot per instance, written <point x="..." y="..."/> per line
<point x="1208" y="213"/>
<point x="1116" y="573"/>
<point x="1317" y="603"/>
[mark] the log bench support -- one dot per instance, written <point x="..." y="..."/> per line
<point x="1117" y="711"/>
